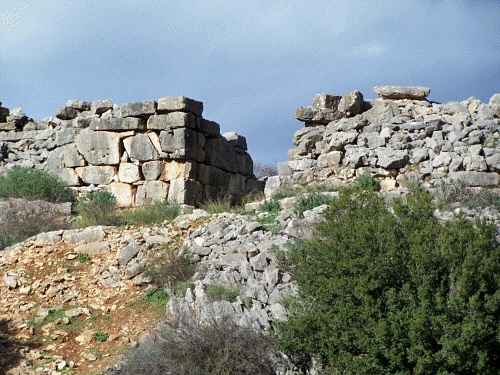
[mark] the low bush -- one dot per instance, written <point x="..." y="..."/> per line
<point x="97" y="208"/>
<point x="100" y="336"/>
<point x="453" y="192"/>
<point x="385" y="291"/>
<point x="309" y="201"/>
<point x="156" y="296"/>
<point x="288" y="256"/>
<point x="191" y="345"/>
<point x="367" y="183"/>
<point x="167" y="269"/>
<point x="217" y="292"/>
<point x="34" y="184"/>
<point x="22" y="219"/>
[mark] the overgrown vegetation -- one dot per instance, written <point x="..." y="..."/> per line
<point x="367" y="183"/>
<point x="156" y="296"/>
<point x="99" y="208"/>
<point x="167" y="269"/>
<point x="288" y="256"/>
<point x="457" y="192"/>
<point x="194" y="346"/>
<point x="217" y="292"/>
<point x="387" y="293"/>
<point x="34" y="184"/>
<point x="309" y="201"/>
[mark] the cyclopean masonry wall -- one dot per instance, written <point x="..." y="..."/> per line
<point x="400" y="134"/>
<point x="141" y="152"/>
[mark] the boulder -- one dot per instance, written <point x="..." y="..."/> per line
<point x="402" y="92"/>
<point x="101" y="106"/>
<point x="96" y="175"/>
<point x="236" y="140"/>
<point x="139" y="109"/>
<point x="139" y="147"/>
<point x="123" y="192"/>
<point x="151" y="191"/>
<point x="180" y="103"/>
<point x="78" y="105"/>
<point x="326" y="101"/>
<point x="99" y="148"/>
<point x="392" y="159"/>
<point x="312" y="116"/>
<point x="351" y="104"/>
<point x="66" y="113"/>
<point x="471" y="178"/>
<point x="128" y="172"/>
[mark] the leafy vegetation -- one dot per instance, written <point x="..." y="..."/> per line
<point x="83" y="258"/>
<point x="156" y="296"/>
<point x="100" y="336"/>
<point x="388" y="293"/>
<point x="309" y="201"/>
<point x="33" y="184"/>
<point x="151" y="214"/>
<point x="457" y="192"/>
<point x="218" y="292"/>
<point x="367" y="183"/>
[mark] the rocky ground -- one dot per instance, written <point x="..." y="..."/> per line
<point x="72" y="300"/>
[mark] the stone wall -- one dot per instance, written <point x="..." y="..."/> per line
<point x="141" y="152"/>
<point x="400" y="134"/>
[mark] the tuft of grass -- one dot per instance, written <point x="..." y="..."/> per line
<point x="34" y="184"/>
<point x="83" y="258"/>
<point x="156" y="297"/>
<point x="97" y="208"/>
<point x="270" y="205"/>
<point x="217" y="206"/>
<point x="155" y="213"/>
<point x="217" y="292"/>
<point x="100" y="336"/>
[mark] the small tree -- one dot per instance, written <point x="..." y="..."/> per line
<point x="396" y="293"/>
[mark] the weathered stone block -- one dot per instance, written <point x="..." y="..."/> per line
<point x="96" y="175"/>
<point x="139" y="109"/>
<point x="128" y="172"/>
<point x="221" y="154"/>
<point x="390" y="159"/>
<point x="341" y="139"/>
<point x="65" y="136"/>
<point x="78" y="105"/>
<point x="173" y="170"/>
<point x="326" y="101"/>
<point x="151" y="191"/>
<point x="55" y="165"/>
<point x="402" y="92"/>
<point x="115" y="124"/>
<point x="351" y="104"/>
<point x="139" y="147"/>
<point x="180" y="103"/>
<point x="71" y="157"/>
<point x="99" y="148"/>
<point x="4" y="112"/>
<point x="184" y="143"/>
<point x="480" y="179"/>
<point x="66" y="113"/>
<point x="313" y="116"/>
<point x="7" y="126"/>
<point x="151" y="170"/>
<point x="236" y="140"/>
<point x="356" y="157"/>
<point x="171" y="120"/>
<point x="101" y="106"/>
<point x="123" y="192"/>
<point x="209" y="128"/>
<point x="126" y="254"/>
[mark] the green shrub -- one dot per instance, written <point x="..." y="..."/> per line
<point x="385" y="293"/>
<point x="367" y="183"/>
<point x="218" y="206"/>
<point x="217" y="292"/>
<point x="181" y="287"/>
<point x="309" y="201"/>
<point x="33" y="184"/>
<point x="270" y="205"/>
<point x="156" y="296"/>
<point x="155" y="213"/>
<point x="98" y="208"/>
<point x="83" y="258"/>
<point x="100" y="336"/>
<point x="288" y="256"/>
<point x="195" y="345"/>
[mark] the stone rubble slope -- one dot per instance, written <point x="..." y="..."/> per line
<point x="398" y="135"/>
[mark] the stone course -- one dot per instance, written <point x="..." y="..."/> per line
<point x="398" y="135"/>
<point x="141" y="152"/>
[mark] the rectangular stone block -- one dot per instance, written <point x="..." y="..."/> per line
<point x="151" y="191"/>
<point x="139" y="109"/>
<point x="151" y="170"/>
<point x="180" y="103"/>
<point x="96" y="175"/>
<point x="209" y="128"/>
<point x="115" y="124"/>
<point x="326" y="101"/>
<point x="171" y="120"/>
<point x="7" y="126"/>
<point x="129" y="173"/>
<point x="123" y="192"/>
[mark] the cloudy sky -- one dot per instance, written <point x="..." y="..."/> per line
<point x="252" y="63"/>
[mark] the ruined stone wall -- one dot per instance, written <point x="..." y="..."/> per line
<point x="398" y="135"/>
<point x="141" y="152"/>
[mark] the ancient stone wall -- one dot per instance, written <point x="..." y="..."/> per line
<point x="398" y="135"/>
<point x="141" y="152"/>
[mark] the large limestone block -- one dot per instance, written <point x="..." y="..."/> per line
<point x="173" y="170"/>
<point x="402" y="92"/>
<point x="341" y="139"/>
<point x="99" y="148"/>
<point x="115" y="124"/>
<point x="180" y="103"/>
<point x="495" y="104"/>
<point x="155" y="140"/>
<point x="209" y="128"/>
<point x="151" y="191"/>
<point x="312" y="116"/>
<point x="185" y="192"/>
<point x="172" y="120"/>
<point x="101" y="106"/>
<point x="71" y="157"/>
<point x="326" y="101"/>
<point x="184" y="143"/>
<point x="55" y="165"/>
<point x="356" y="157"/>
<point x="390" y="159"/>
<point x="4" y="112"/>
<point x="123" y="192"/>
<point x="139" y="147"/>
<point x="129" y="172"/>
<point x="65" y="136"/>
<point x="78" y="104"/>
<point x="236" y="140"/>
<point x="481" y="179"/>
<point x="151" y="170"/>
<point x="66" y="113"/>
<point x="221" y="154"/>
<point x="139" y="109"/>
<point x="96" y="175"/>
<point x="210" y="175"/>
<point x="351" y="104"/>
